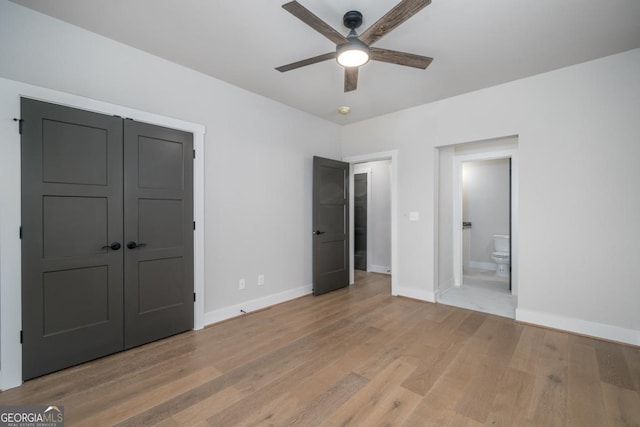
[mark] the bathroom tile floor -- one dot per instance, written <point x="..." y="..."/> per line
<point x="483" y="291"/>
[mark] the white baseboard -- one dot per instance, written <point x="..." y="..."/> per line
<point x="415" y="294"/>
<point x="380" y="269"/>
<point x="256" y="304"/>
<point x="490" y="266"/>
<point x="579" y="326"/>
<point x="443" y="287"/>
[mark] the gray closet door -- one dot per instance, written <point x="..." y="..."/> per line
<point x="71" y="219"/>
<point x="330" y="225"/>
<point x="158" y="169"/>
<point x="360" y="221"/>
<point x="107" y="235"/>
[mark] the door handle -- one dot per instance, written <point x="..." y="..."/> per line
<point x="133" y="245"/>
<point x="318" y="232"/>
<point x="114" y="246"/>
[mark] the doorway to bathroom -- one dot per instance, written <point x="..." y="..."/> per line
<point x="477" y="226"/>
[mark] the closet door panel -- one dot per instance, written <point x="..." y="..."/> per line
<point x="72" y="295"/>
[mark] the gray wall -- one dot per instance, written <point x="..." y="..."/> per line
<point x="485" y="202"/>
<point x="257" y="155"/>
<point x="578" y="190"/>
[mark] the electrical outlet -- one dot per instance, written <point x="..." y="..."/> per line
<point x="260" y="279"/>
<point x="241" y="284"/>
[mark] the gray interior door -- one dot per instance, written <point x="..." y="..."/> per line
<point x="158" y="212"/>
<point x="71" y="219"/>
<point x="107" y="235"/>
<point x="330" y="225"/>
<point x="360" y="221"/>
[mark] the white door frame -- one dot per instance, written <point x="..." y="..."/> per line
<point x="457" y="211"/>
<point x="372" y="157"/>
<point x="10" y="291"/>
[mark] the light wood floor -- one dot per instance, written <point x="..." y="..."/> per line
<point x="356" y="357"/>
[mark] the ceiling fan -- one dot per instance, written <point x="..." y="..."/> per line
<point x="353" y="51"/>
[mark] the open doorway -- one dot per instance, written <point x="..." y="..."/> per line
<point x="372" y="216"/>
<point x="373" y="220"/>
<point x="477" y="226"/>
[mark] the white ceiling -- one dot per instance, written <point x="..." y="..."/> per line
<point x="475" y="44"/>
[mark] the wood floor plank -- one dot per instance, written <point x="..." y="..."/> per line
<point x="354" y="411"/>
<point x="393" y="409"/>
<point x="438" y="405"/>
<point x="439" y="331"/>
<point x="504" y="342"/>
<point x="436" y="408"/>
<point x="632" y="357"/>
<point x="326" y="402"/>
<point x="357" y="356"/>
<point x="622" y="405"/>
<point x="527" y="350"/>
<point x="333" y="348"/>
<point x="124" y="404"/>
<point x="478" y="396"/>
<point x="432" y="364"/>
<point x="283" y="405"/>
<point x="548" y="404"/>
<point x="585" y="402"/>
<point x="199" y="412"/>
<point x="509" y="408"/>
<point x="389" y="345"/>
<point x="612" y="365"/>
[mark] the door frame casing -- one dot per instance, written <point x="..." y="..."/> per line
<point x="10" y="293"/>
<point x="372" y="157"/>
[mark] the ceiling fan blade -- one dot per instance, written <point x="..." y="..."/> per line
<point x="307" y="61"/>
<point x="400" y="58"/>
<point x="350" y="78"/>
<point x="396" y="16"/>
<point x="303" y="14"/>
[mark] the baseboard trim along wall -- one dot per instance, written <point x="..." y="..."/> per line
<point x="380" y="269"/>
<point x="225" y="313"/>
<point x="415" y="294"/>
<point x="578" y="326"/>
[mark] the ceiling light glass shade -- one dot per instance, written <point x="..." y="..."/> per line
<point x="353" y="53"/>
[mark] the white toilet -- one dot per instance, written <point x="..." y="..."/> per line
<point x="501" y="255"/>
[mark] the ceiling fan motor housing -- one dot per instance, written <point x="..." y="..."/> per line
<point x="352" y="19"/>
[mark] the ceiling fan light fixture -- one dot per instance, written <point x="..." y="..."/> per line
<point x="353" y="53"/>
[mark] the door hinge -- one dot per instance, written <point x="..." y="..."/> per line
<point x="20" y="233"/>
<point x="194" y="225"/>
<point x="21" y="337"/>
<point x="194" y="154"/>
<point x="194" y="297"/>
<point x="20" y="122"/>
